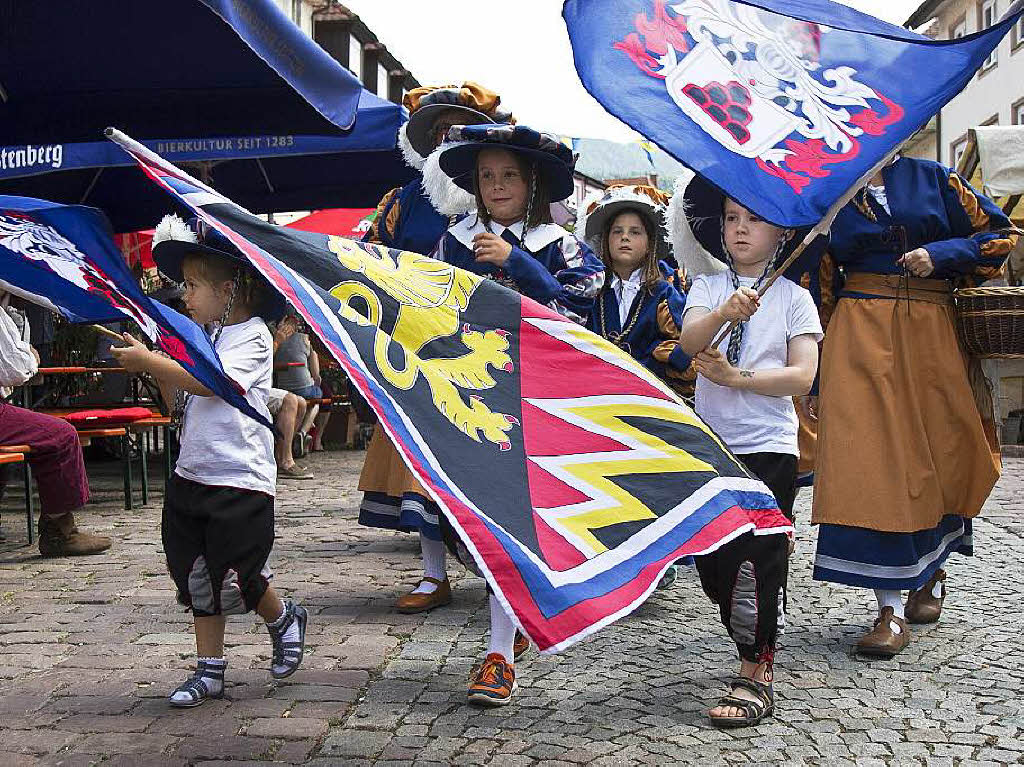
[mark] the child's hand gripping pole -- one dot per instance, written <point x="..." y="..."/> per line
<point x="797" y="252"/>
<point x="821" y="227"/>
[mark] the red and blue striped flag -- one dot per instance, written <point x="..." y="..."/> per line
<point x="573" y="476"/>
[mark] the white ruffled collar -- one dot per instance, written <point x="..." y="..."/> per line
<point x="538" y="238"/>
<point x="633" y="281"/>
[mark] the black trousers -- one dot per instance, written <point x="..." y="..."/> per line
<point x="746" y="577"/>
<point x="778" y="471"/>
<point x="217" y="541"/>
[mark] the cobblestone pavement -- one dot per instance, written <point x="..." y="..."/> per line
<point x="90" y="648"/>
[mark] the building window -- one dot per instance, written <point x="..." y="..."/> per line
<point x="1017" y="34"/>
<point x="1017" y="113"/>
<point x="297" y="12"/>
<point x="355" y="57"/>
<point x="959" y="29"/>
<point x="383" y="81"/>
<point x="986" y="18"/>
<point x="956" y="151"/>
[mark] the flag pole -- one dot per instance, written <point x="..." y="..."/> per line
<point x="108" y="333"/>
<point x="820" y="228"/>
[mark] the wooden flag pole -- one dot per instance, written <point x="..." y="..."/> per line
<point x="108" y="333"/>
<point x="820" y="228"/>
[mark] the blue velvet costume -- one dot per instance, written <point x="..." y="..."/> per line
<point x="407" y="221"/>
<point x="553" y="268"/>
<point x="652" y="335"/>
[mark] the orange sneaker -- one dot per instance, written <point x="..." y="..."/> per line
<point x="520" y="646"/>
<point x="495" y="682"/>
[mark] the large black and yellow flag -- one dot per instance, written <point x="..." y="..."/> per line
<point x="573" y="476"/>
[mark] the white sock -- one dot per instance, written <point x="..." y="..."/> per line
<point x="291" y="634"/>
<point x="891" y="598"/>
<point x="503" y="631"/>
<point x="434" y="564"/>
<point x="214" y="684"/>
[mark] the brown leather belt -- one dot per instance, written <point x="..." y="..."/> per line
<point x="894" y="286"/>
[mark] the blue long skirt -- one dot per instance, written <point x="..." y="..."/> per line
<point x="856" y="556"/>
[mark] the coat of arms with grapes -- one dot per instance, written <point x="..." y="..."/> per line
<point x="753" y="80"/>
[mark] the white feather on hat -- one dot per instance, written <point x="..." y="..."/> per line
<point x="172" y="228"/>
<point x="412" y="158"/>
<point x="446" y="197"/>
<point x="688" y="251"/>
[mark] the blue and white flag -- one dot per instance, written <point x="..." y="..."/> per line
<point x="62" y="257"/>
<point x="784" y="105"/>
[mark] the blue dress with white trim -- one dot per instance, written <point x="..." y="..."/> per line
<point x="651" y="334"/>
<point x="964" y="233"/>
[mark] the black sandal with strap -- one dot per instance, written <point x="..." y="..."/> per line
<point x="753" y="710"/>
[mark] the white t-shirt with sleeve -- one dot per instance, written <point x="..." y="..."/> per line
<point x="17" y="363"/>
<point x="746" y="421"/>
<point x="220" y="445"/>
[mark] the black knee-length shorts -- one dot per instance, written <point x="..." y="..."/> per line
<point x="217" y="541"/>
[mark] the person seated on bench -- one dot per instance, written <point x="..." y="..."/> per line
<point x="55" y="457"/>
<point x="297" y="369"/>
<point x="287" y="410"/>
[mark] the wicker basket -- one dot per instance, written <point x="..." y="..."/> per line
<point x="991" y="321"/>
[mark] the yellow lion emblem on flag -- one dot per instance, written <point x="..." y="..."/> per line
<point x="431" y="297"/>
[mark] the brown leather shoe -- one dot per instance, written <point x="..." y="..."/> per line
<point x="59" y="537"/>
<point x="420" y="603"/>
<point x="922" y="606"/>
<point x="882" y="641"/>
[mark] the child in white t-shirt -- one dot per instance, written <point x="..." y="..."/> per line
<point x="744" y="392"/>
<point x="218" y="517"/>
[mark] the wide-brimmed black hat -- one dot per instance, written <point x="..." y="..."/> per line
<point x="174" y="239"/>
<point x="555" y="161"/>
<point x="475" y="103"/>
<point x="704" y="202"/>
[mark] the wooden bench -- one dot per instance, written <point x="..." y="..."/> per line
<point x="85" y="438"/>
<point x="124" y="430"/>
<point x="16" y="454"/>
<point x="142" y="427"/>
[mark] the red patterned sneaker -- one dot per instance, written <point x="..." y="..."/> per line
<point x="495" y="682"/>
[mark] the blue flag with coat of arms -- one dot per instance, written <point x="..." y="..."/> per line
<point x="782" y="105"/>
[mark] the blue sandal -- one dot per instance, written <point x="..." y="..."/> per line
<point x="195" y="689"/>
<point x="288" y="655"/>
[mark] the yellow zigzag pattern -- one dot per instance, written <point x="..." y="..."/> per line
<point x="592" y="473"/>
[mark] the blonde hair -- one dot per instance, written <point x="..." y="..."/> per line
<point x="248" y="290"/>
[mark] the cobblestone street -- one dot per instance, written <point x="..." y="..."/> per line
<point x="90" y="648"/>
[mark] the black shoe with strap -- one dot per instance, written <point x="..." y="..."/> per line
<point x="753" y="710"/>
<point x="288" y="653"/>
